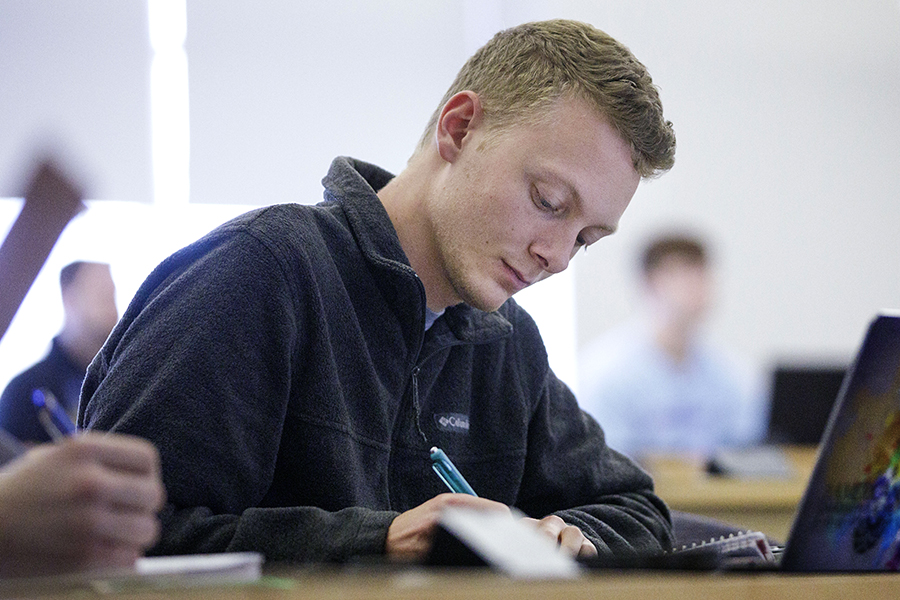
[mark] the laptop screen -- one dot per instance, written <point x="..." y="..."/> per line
<point x="849" y="518"/>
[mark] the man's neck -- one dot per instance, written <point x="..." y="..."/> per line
<point x="675" y="339"/>
<point x="78" y="347"/>
<point x="405" y="198"/>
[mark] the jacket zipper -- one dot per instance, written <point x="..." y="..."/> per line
<point x="416" y="406"/>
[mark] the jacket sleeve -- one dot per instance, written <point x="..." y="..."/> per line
<point x="290" y="534"/>
<point x="571" y="472"/>
<point x="201" y="365"/>
<point x="606" y="494"/>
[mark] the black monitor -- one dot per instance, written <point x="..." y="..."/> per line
<point x="802" y="396"/>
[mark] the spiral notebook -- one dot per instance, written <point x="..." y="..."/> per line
<point x="735" y="550"/>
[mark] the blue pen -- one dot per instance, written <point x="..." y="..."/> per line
<point x="52" y="416"/>
<point x="449" y="473"/>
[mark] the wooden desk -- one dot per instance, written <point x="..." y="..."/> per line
<point x="766" y="505"/>
<point x="415" y="584"/>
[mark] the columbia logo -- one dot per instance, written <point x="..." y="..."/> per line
<point x="454" y="422"/>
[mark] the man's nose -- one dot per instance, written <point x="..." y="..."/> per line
<point x="553" y="256"/>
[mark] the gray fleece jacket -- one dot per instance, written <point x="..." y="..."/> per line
<point x="282" y="367"/>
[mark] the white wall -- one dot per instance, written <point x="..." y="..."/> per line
<point x="75" y="73"/>
<point x="786" y="116"/>
<point x="785" y="111"/>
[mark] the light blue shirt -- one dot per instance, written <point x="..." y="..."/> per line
<point x="431" y="317"/>
<point x="646" y="402"/>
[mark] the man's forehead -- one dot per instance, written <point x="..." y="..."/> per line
<point x="679" y="261"/>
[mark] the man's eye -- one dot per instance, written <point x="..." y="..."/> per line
<point x="541" y="202"/>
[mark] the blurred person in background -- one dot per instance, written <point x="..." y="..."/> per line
<point x="88" y="297"/>
<point x="656" y="382"/>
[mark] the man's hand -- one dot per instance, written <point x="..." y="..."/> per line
<point x="411" y="533"/>
<point x="87" y="501"/>
<point x="568" y="537"/>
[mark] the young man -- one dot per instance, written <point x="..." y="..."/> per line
<point x="295" y="366"/>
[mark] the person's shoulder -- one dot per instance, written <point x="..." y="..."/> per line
<point x="32" y="377"/>
<point x="275" y="219"/>
<point x="18" y="390"/>
<point x="612" y="360"/>
<point x="285" y="231"/>
<point x="725" y="359"/>
<point x="615" y="344"/>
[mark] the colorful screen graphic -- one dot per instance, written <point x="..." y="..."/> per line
<point x="850" y="517"/>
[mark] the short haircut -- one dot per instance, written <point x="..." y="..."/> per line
<point x="69" y="273"/>
<point x="524" y="69"/>
<point x="685" y="246"/>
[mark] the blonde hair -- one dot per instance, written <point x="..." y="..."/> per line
<point x="524" y="69"/>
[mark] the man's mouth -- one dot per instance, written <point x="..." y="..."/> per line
<point x="518" y="279"/>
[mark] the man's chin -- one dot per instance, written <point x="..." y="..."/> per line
<point x="488" y="304"/>
<point x="484" y="302"/>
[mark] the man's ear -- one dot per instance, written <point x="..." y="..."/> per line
<point x="461" y="114"/>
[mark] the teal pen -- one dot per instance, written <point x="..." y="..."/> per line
<point x="449" y="473"/>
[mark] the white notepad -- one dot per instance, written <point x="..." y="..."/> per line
<point x="224" y="567"/>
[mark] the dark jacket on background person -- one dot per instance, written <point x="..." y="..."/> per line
<point x="55" y="372"/>
<point x="282" y="367"/>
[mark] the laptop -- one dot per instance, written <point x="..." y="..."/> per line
<point x="849" y="517"/>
